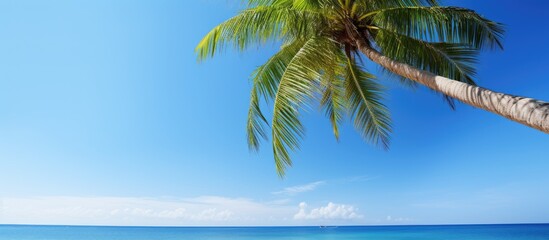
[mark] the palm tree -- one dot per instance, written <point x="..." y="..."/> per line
<point x="321" y="60"/>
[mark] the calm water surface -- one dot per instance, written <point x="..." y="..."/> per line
<point x="462" y="232"/>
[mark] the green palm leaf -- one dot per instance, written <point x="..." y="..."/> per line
<point x="297" y="87"/>
<point x="364" y="95"/>
<point x="257" y="26"/>
<point x="374" y="5"/>
<point x="454" y="61"/>
<point x="333" y="97"/>
<point x="441" y="24"/>
<point x="265" y="83"/>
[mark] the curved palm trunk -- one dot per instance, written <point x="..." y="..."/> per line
<point x="528" y="111"/>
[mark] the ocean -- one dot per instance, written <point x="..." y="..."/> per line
<point x="450" y="232"/>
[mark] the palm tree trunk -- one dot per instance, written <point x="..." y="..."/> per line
<point x="528" y="111"/>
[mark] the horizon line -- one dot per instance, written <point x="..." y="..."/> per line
<point x="272" y="226"/>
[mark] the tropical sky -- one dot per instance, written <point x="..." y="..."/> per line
<point x="106" y="118"/>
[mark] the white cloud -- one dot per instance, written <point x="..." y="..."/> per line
<point x="206" y="210"/>
<point x="198" y="211"/>
<point x="300" y="189"/>
<point x="330" y="211"/>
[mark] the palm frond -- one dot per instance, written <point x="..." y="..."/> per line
<point x="308" y="4"/>
<point x="375" y="5"/>
<point x="258" y="25"/>
<point x="333" y="96"/>
<point x="455" y="61"/>
<point x="364" y="95"/>
<point x="297" y="86"/>
<point x="441" y="24"/>
<point x="265" y="81"/>
<point x="280" y="3"/>
<point x="256" y="122"/>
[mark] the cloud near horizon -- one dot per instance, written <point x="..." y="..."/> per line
<point x="128" y="211"/>
<point x="199" y="211"/>
<point x="330" y="211"/>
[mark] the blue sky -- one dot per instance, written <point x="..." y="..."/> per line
<point x="107" y="118"/>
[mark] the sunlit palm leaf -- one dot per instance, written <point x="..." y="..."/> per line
<point x="258" y="25"/>
<point x="297" y="86"/>
<point x="364" y="95"/>
<point x="441" y="24"/>
<point x="333" y="97"/>
<point x="454" y="61"/>
<point x="265" y="81"/>
<point x="374" y="5"/>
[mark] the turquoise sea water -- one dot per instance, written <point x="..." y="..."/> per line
<point x="462" y="232"/>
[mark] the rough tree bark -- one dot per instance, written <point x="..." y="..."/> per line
<point x="527" y="111"/>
